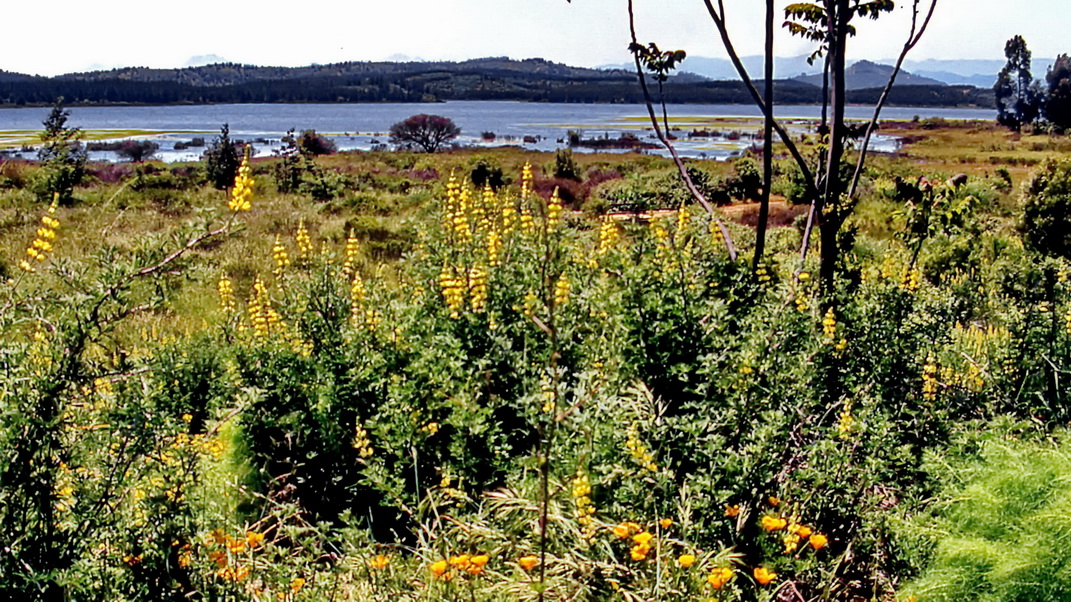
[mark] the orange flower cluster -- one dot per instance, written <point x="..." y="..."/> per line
<point x="224" y="552"/>
<point x="460" y="564"/>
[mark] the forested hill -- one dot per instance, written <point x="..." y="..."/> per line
<point x="480" y="79"/>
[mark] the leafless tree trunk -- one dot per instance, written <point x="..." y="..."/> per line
<point x="767" y="140"/>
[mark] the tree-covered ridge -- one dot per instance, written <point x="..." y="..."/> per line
<point x="480" y="79"/>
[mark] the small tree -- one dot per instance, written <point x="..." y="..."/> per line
<point x="1058" y="98"/>
<point x="1018" y="102"/>
<point x="428" y="132"/>
<point x="63" y="156"/>
<point x="315" y="144"/>
<point x="291" y="166"/>
<point x="222" y="160"/>
<point x="137" y="150"/>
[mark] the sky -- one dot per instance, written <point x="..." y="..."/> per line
<point x="62" y="36"/>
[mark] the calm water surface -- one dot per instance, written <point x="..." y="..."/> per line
<point x="362" y="126"/>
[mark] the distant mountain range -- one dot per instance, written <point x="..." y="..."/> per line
<point x="495" y="78"/>
<point x="981" y="73"/>
<point x="865" y="74"/>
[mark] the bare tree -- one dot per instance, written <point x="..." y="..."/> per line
<point x="830" y="23"/>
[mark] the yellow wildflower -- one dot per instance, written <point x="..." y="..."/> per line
<point x="528" y="562"/>
<point x="242" y="193"/>
<point x="686" y="560"/>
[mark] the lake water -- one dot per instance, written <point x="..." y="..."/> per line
<point x="362" y="126"/>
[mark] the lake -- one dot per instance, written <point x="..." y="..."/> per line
<point x="363" y="126"/>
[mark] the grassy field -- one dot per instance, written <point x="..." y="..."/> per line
<point x="397" y="381"/>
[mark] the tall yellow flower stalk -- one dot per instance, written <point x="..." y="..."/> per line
<point x="353" y="248"/>
<point x="39" y="249"/>
<point x="259" y="308"/>
<point x="304" y="243"/>
<point x="461" y="216"/>
<point x="478" y="288"/>
<point x="451" y="206"/>
<point x="554" y="211"/>
<point x="226" y="295"/>
<point x="280" y="257"/>
<point x="242" y="193"/>
<point x="608" y="237"/>
<point x="453" y="288"/>
<point x="357" y="297"/>
<point x="527" y="224"/>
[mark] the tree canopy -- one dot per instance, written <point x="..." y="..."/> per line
<point x="426" y="132"/>
<point x="1018" y="101"/>
<point x="1058" y="97"/>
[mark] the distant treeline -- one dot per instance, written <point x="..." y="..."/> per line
<point x="484" y="79"/>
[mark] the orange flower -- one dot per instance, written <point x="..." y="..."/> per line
<point x="719" y="577"/>
<point x="732" y="511"/>
<point x="639" y="551"/>
<point x="379" y="563"/>
<point x="686" y="560"/>
<point x="253" y="539"/>
<point x="804" y="531"/>
<point x="774" y="501"/>
<point x="480" y="560"/>
<point x="818" y="541"/>
<point x="528" y="562"/>
<point x="438" y="568"/>
<point x="642" y="539"/>
<point x="297" y="584"/>
<point x="764" y="575"/>
<point x="773" y="523"/>
<point x="621" y="532"/>
<point x="665" y="523"/>
<point x="460" y="562"/>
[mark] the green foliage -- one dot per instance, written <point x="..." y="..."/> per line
<point x="1058" y="92"/>
<point x="63" y="156"/>
<point x="1018" y="101"/>
<point x="222" y="159"/>
<point x="1046" y="218"/>
<point x="564" y="165"/>
<point x="374" y="398"/>
<point x="995" y="531"/>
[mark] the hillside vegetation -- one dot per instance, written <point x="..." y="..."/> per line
<point x="534" y="80"/>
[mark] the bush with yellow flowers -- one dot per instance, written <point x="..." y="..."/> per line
<point x="503" y="399"/>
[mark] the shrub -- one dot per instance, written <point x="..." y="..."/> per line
<point x="486" y="173"/>
<point x="1046" y="218"/>
<point x="313" y="144"/>
<point x="62" y="155"/>
<point x="137" y="151"/>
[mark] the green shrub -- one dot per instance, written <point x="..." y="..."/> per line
<point x="1046" y="219"/>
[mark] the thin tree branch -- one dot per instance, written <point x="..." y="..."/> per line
<point x="912" y="39"/>
<point x="725" y="235"/>
<point x="786" y="138"/>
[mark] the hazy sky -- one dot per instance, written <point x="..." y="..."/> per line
<point x="59" y="36"/>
